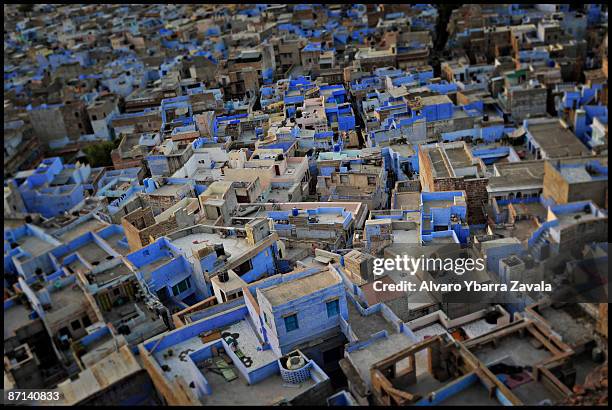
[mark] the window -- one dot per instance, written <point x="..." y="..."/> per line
<point x="343" y="179"/>
<point x="291" y="323"/>
<point x="243" y="268"/>
<point x="333" y="308"/>
<point x="371" y="180"/>
<point x="266" y="319"/>
<point x="93" y="117"/>
<point x="86" y="321"/>
<point x="181" y="287"/>
<point x="75" y="325"/>
<point x="116" y="291"/>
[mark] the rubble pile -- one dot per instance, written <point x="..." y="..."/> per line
<point x="594" y="391"/>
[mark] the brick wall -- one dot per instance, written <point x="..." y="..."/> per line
<point x="120" y="163"/>
<point x="133" y="223"/>
<point x="425" y="172"/>
<point x="476" y="193"/>
<point x="555" y="186"/>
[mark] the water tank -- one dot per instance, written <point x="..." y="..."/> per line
<point x="294" y="212"/>
<point x="295" y="362"/>
<point x="223" y="277"/>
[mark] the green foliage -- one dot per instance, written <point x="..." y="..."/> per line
<point x="25" y="8"/>
<point x="99" y="155"/>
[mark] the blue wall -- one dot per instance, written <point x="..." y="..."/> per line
<point x="312" y="318"/>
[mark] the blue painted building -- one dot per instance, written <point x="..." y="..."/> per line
<point x="26" y="252"/>
<point x="165" y="273"/>
<point x="257" y="352"/>
<point x="302" y="310"/>
<point x="444" y="214"/>
<point x="53" y="187"/>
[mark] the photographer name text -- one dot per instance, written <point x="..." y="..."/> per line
<point x="469" y="286"/>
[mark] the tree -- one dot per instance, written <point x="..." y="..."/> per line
<point x="25" y="8"/>
<point x="99" y="155"/>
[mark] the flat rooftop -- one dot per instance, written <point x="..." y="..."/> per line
<point x="364" y="358"/>
<point x="354" y="190"/>
<point x="298" y="288"/>
<point x="437" y="161"/>
<point x="143" y="323"/>
<point x="524" y="174"/>
<point x="556" y="141"/>
<point x="366" y="326"/>
<point x="109" y="275"/>
<point x="269" y="391"/>
<point x="231" y="244"/>
<point x="167" y="190"/>
<point x="90" y="225"/>
<point x="573" y="325"/>
<point x="513" y="347"/>
<point x="62" y="178"/>
<point x="406" y="236"/>
<point x="149" y="268"/>
<point x="458" y="157"/>
<point x="442" y="239"/>
<point x="279" y="195"/>
<point x="531" y="209"/>
<point x="15" y="317"/>
<point x="203" y="174"/>
<point x="437" y="203"/>
<point x="436" y="99"/>
<point x="113" y="240"/>
<point x="404" y="150"/>
<point x="407" y="200"/>
<point x="106" y="372"/>
<point x="91" y="252"/>
<point x="522" y="230"/>
<point x="34" y="245"/>
<point x="573" y="218"/>
<point x="575" y="175"/>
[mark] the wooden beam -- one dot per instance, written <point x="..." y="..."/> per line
<point x="380" y="384"/>
<point x="471" y="359"/>
<point x="545" y="341"/>
<point x="486" y="381"/>
<point x="551" y="381"/>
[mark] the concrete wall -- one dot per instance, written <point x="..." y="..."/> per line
<point x="48" y="124"/>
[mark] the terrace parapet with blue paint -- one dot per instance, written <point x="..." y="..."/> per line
<point x="186" y="357"/>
